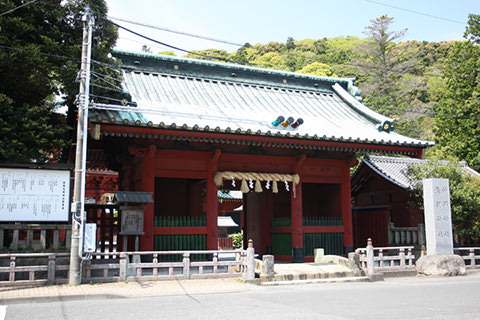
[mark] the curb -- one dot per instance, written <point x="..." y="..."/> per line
<point x="310" y="281"/>
<point x="64" y="298"/>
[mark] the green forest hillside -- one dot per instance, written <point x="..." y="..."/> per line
<point x="430" y="88"/>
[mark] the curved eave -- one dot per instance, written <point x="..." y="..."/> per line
<point x="268" y="139"/>
<point x="359" y="107"/>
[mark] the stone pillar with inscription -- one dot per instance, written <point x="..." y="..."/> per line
<point x="440" y="260"/>
<point x="438" y="217"/>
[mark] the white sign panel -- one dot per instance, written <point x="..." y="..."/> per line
<point x="34" y="195"/>
<point x="438" y="216"/>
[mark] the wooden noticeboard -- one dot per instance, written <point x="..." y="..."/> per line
<point x="132" y="221"/>
<point x="34" y="195"/>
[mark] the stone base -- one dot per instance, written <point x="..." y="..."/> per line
<point x="441" y="265"/>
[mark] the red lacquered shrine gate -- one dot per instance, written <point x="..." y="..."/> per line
<point x="286" y="140"/>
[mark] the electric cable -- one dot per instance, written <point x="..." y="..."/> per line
<point x="176" y="31"/>
<point x="16" y="8"/>
<point x="416" y="12"/>
<point x="174" y="47"/>
<point x="106" y="81"/>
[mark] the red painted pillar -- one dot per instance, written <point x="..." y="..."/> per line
<point x="148" y="185"/>
<point x="266" y="200"/>
<point x="212" y="203"/>
<point x="346" y="207"/>
<point x="297" y="224"/>
<point x="297" y="215"/>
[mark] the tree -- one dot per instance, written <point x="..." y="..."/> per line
<point x="39" y="62"/>
<point x="290" y="44"/>
<point x="458" y="111"/>
<point x="383" y="65"/>
<point x="317" y="68"/>
<point x="209" y="54"/>
<point x="457" y="120"/>
<point x="472" y="33"/>
<point x="464" y="195"/>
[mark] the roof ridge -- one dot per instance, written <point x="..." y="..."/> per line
<point x="232" y="66"/>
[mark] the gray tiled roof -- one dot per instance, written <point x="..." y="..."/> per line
<point x="203" y="99"/>
<point x="133" y="197"/>
<point x="395" y="169"/>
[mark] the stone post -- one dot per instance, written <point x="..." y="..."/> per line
<point x="268" y="266"/>
<point x="11" y="276"/>
<point x="43" y="239"/>
<point x="186" y="265"/>
<point x="14" y="243"/>
<point x="123" y="266"/>
<point x="250" y="272"/>
<point x="370" y="256"/>
<point x="51" y="268"/>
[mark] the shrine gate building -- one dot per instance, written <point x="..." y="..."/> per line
<point x="286" y="140"/>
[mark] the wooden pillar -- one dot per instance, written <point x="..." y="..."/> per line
<point x="212" y="203"/>
<point x="266" y="201"/>
<point x="346" y="207"/>
<point x="297" y="215"/>
<point x="148" y="185"/>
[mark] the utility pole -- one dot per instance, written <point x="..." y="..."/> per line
<point x="78" y="204"/>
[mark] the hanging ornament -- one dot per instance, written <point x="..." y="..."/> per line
<point x="244" y="187"/>
<point x="258" y="186"/>
<point x="267" y="185"/>
<point x="233" y="182"/>
<point x="250" y="183"/>
<point x="274" y="186"/>
<point x="287" y="187"/>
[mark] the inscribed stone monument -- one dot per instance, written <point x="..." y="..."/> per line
<point x="438" y="217"/>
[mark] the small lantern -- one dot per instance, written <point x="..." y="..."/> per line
<point x="297" y="123"/>
<point x="278" y="121"/>
<point x="288" y="122"/>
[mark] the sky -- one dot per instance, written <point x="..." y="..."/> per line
<point x="262" y="21"/>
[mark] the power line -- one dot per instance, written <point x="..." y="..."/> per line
<point x="416" y="12"/>
<point x="16" y="8"/>
<point x="106" y="81"/>
<point x="173" y="47"/>
<point x="178" y="32"/>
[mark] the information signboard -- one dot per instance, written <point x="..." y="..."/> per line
<point x="34" y="195"/>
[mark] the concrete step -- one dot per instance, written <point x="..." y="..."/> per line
<point x="306" y="276"/>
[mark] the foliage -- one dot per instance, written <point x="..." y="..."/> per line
<point x="464" y="195"/>
<point x="237" y="240"/>
<point x="457" y="125"/>
<point x="472" y="33"/>
<point x="39" y="61"/>
<point x="167" y="53"/>
<point x="317" y="68"/>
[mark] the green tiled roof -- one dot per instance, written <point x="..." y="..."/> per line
<point x="198" y="95"/>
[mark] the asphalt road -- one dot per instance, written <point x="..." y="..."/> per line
<point x="404" y="298"/>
